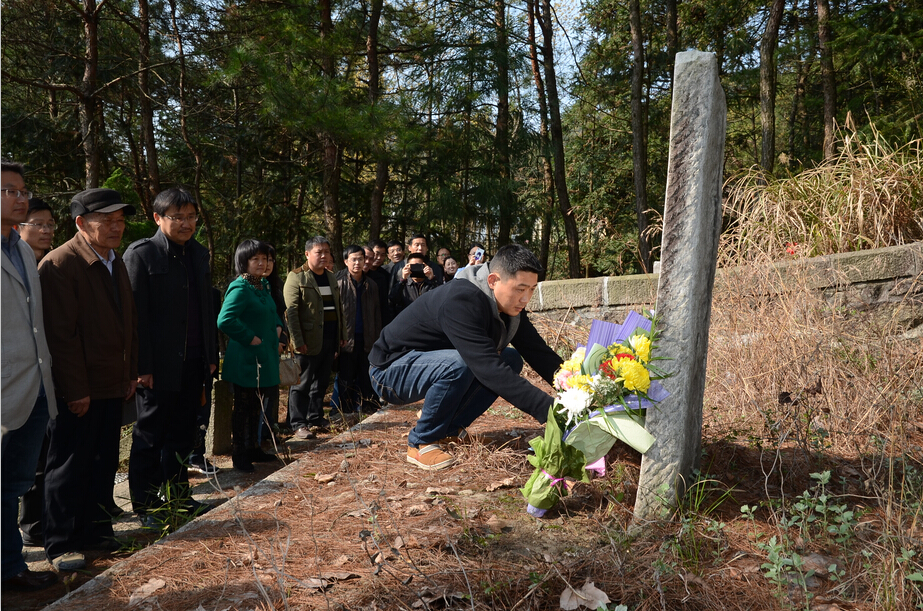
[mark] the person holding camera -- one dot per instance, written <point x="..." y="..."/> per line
<point x="417" y="277"/>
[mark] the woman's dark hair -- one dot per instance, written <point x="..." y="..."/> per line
<point x="474" y="245"/>
<point x="173" y="197"/>
<point x="246" y="250"/>
<point x="275" y="284"/>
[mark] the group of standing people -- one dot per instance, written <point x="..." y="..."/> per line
<point x="85" y="330"/>
<point x="102" y="329"/>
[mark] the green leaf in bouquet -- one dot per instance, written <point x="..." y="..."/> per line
<point x="595" y="357"/>
<point x="596" y="436"/>
<point x="552" y="458"/>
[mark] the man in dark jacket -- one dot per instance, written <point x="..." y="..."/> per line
<point x="362" y="318"/>
<point x="450" y="348"/>
<point x="420" y="245"/>
<point x="171" y="282"/>
<point x="92" y="332"/>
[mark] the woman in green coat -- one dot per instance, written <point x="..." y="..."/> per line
<point x="248" y="317"/>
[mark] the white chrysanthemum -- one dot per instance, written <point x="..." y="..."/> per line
<point x="574" y="402"/>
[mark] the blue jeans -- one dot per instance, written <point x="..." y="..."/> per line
<point x="452" y="397"/>
<point x="20" y="450"/>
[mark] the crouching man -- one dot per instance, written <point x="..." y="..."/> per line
<point x="451" y="348"/>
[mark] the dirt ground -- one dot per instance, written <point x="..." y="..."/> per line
<point x="352" y="525"/>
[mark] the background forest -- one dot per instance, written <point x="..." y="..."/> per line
<point x="488" y="120"/>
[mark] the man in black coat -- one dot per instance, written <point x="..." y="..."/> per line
<point x="451" y="348"/>
<point x="171" y="282"/>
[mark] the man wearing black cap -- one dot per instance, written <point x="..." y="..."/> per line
<point x="92" y="334"/>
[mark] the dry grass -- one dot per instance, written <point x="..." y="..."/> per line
<point x="869" y="197"/>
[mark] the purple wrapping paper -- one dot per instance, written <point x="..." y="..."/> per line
<point x="608" y="333"/>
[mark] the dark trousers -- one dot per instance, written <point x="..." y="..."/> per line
<point x="32" y="505"/>
<point x="83" y="456"/>
<point x="452" y="397"/>
<point x="306" y="399"/>
<point x="270" y="413"/>
<point x="353" y="384"/>
<point x="18" y="454"/>
<point x="164" y="436"/>
<point x="246" y="416"/>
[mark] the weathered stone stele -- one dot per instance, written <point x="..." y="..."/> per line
<point x="692" y="225"/>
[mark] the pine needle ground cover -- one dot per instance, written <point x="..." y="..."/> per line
<point x="807" y="497"/>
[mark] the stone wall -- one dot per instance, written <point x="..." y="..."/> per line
<point x="886" y="283"/>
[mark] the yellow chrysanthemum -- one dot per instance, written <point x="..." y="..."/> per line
<point x="579" y="354"/>
<point x="634" y="375"/>
<point x="582" y="382"/>
<point x="572" y="365"/>
<point x="641" y="344"/>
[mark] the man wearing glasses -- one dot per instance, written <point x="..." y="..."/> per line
<point x="92" y="333"/>
<point x="171" y="281"/>
<point x="26" y="382"/>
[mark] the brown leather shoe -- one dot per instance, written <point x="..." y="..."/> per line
<point x="30" y="581"/>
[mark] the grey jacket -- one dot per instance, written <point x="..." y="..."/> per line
<point x="25" y="355"/>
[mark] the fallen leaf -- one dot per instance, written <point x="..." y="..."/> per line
<point x="339" y="575"/>
<point x="498" y="525"/>
<point x="588" y="595"/>
<point x="691" y="578"/>
<point x="416" y="510"/>
<point x="324" y="478"/>
<point x="359" y="513"/>
<point x="440" y="491"/>
<point x="312" y="584"/>
<point x="341" y="560"/>
<point x="504" y="483"/>
<point x="145" y="591"/>
<point x="398" y="542"/>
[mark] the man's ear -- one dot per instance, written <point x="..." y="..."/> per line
<point x="492" y="280"/>
<point x="81" y="223"/>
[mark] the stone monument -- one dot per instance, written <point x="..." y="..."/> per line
<point x="692" y="225"/>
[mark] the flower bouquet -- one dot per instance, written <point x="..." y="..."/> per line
<point x="604" y="391"/>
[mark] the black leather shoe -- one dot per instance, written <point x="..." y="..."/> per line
<point x="30" y="541"/>
<point x="196" y="508"/>
<point x="30" y="581"/>
<point x="242" y="463"/>
<point x="109" y="544"/>
<point x="258" y="455"/>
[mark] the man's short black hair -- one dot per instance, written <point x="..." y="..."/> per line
<point x="317" y="240"/>
<point x="246" y="250"/>
<point x="415" y="255"/>
<point x="37" y="205"/>
<point x="13" y="166"/>
<point x="418" y="236"/>
<point x="512" y="259"/>
<point x="352" y="248"/>
<point x="377" y="243"/>
<point x="395" y="243"/>
<point x="174" y="197"/>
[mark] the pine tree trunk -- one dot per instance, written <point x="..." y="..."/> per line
<point x="152" y="180"/>
<point x="828" y="77"/>
<point x="639" y="133"/>
<point x="768" y="46"/>
<point x="557" y="142"/>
